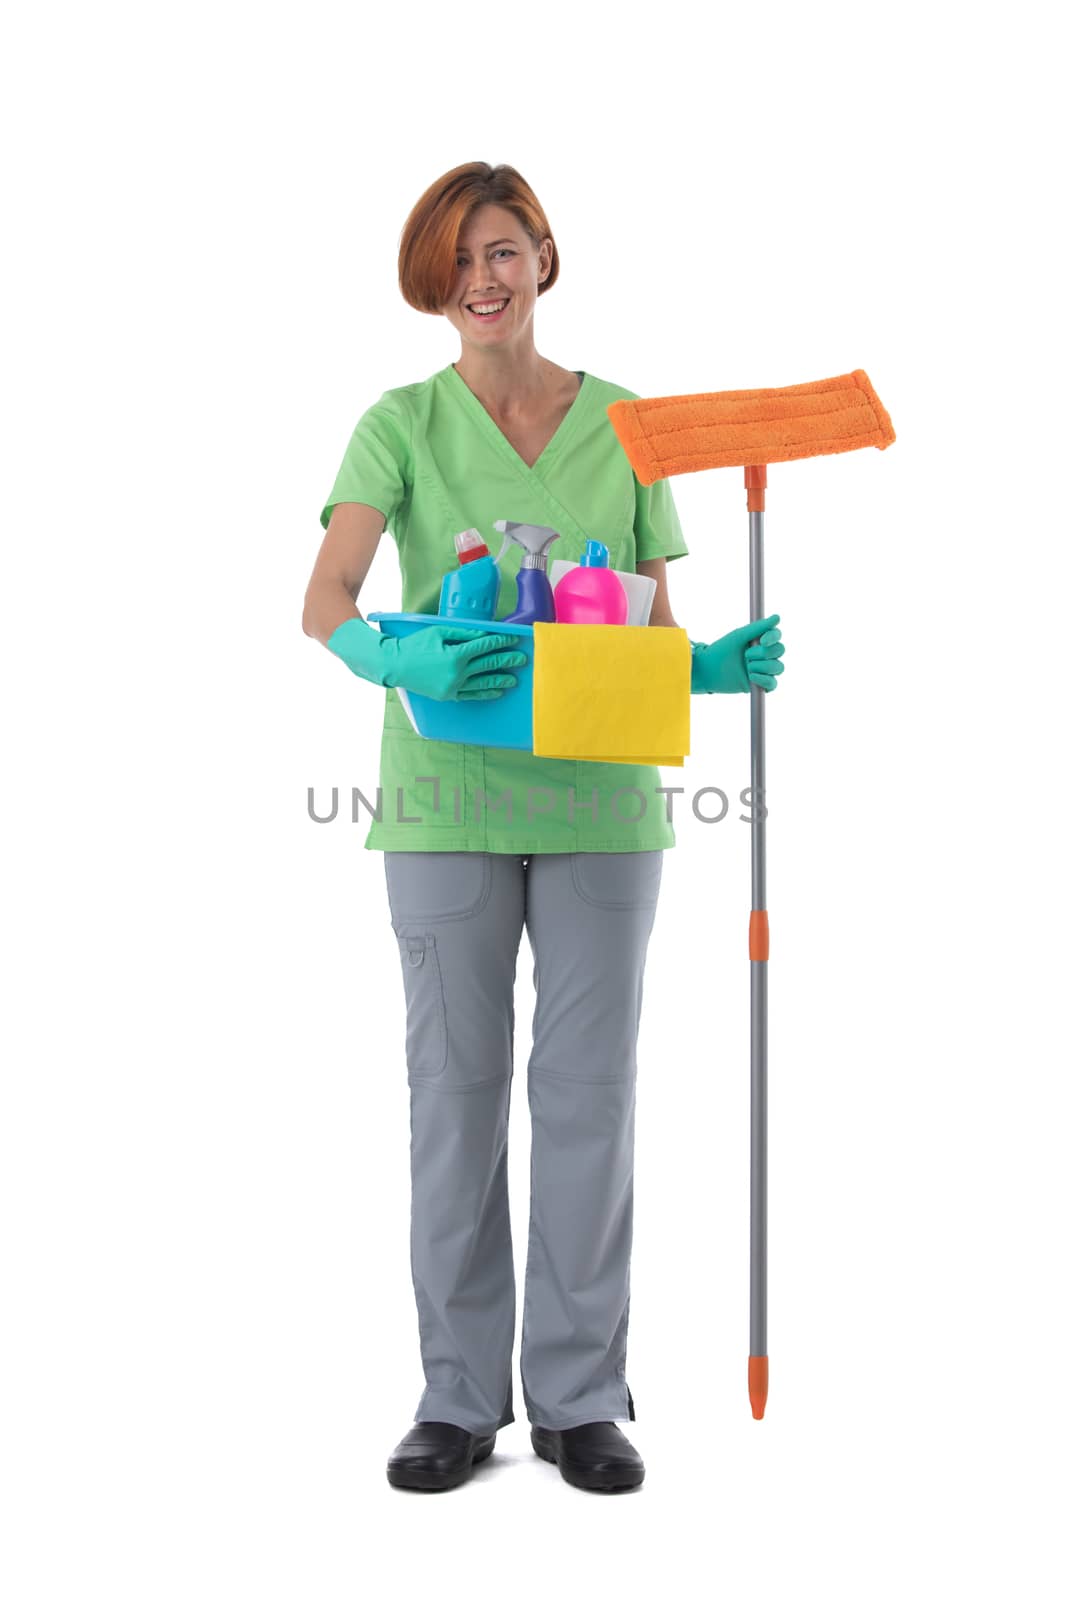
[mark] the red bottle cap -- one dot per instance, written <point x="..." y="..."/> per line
<point x="470" y="546"/>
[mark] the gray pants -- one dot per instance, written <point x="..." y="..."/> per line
<point x="458" y="918"/>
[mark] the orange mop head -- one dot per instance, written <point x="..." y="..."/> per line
<point x="749" y="427"/>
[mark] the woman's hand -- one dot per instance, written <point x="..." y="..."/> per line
<point x="444" y="662"/>
<point x="746" y="658"/>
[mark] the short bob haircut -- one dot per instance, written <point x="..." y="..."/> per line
<point x="430" y="239"/>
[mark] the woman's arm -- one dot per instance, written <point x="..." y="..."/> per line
<point x="343" y="562"/>
<point x="661" y="615"/>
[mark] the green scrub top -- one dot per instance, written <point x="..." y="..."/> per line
<point x="431" y="459"/>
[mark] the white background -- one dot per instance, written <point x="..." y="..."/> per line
<point x="210" y="1341"/>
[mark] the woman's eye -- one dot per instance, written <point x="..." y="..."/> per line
<point x="461" y="261"/>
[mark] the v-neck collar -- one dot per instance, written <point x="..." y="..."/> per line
<point x="503" y="443"/>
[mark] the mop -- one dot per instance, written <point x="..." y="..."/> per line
<point x="751" y="428"/>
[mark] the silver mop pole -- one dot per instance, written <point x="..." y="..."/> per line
<point x="758" y="950"/>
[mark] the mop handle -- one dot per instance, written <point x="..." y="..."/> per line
<point x="758" y="951"/>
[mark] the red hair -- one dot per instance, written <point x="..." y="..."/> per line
<point x="430" y="238"/>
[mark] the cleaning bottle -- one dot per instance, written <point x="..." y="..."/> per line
<point x="471" y="592"/>
<point x="591" y="592"/>
<point x="535" y="592"/>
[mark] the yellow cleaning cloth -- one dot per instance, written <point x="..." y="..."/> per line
<point x="606" y="692"/>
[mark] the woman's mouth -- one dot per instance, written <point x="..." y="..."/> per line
<point x="491" y="316"/>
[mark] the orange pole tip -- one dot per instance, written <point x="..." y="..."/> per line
<point x="756" y="484"/>
<point x="757" y="1384"/>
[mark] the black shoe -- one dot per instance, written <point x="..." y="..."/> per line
<point x="436" y="1455"/>
<point x="594" y="1455"/>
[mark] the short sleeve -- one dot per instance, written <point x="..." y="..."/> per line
<point x="376" y="466"/>
<point x="657" y="530"/>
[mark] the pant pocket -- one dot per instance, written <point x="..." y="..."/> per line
<point x="622" y="881"/>
<point x="427" y="1034"/>
<point x="436" y="885"/>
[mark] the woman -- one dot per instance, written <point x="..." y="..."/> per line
<point x="479" y="842"/>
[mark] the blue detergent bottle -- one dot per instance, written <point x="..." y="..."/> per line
<point x="471" y="592"/>
<point x="536" y="603"/>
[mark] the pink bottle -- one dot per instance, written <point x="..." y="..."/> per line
<point x="591" y="592"/>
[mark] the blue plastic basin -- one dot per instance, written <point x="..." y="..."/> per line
<point x="507" y="721"/>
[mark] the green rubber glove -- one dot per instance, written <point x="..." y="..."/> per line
<point x="444" y="662"/>
<point x="738" y="661"/>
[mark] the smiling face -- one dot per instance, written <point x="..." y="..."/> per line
<point x="495" y="260"/>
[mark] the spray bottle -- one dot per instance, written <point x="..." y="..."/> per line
<point x="535" y="592"/>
